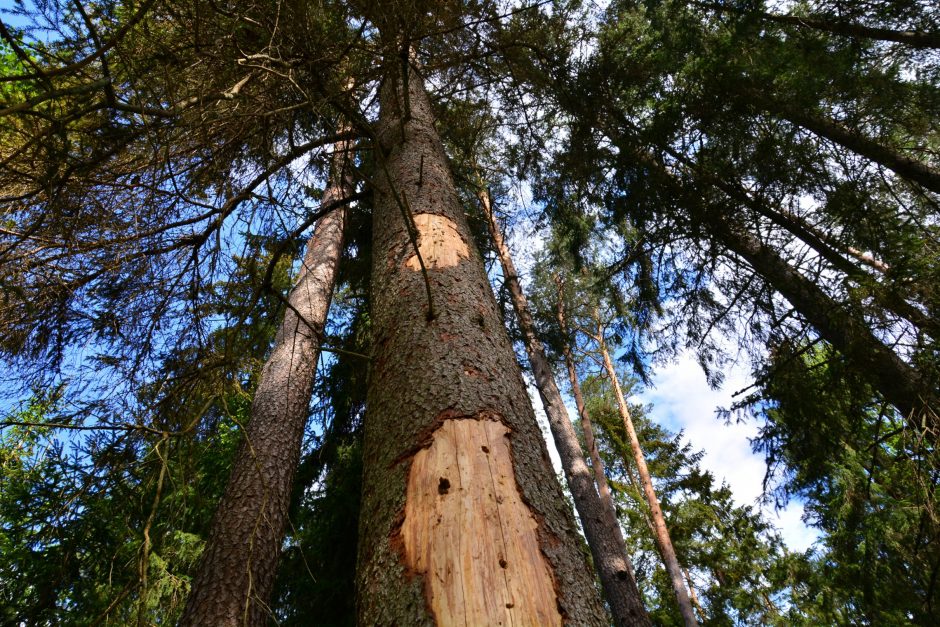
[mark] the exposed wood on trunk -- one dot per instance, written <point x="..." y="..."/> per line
<point x="661" y="532"/>
<point x="438" y="242"/>
<point x="428" y="373"/>
<point x="599" y="520"/>
<point x="468" y="532"/>
<point x="236" y="573"/>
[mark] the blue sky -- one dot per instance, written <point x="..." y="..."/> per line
<point x="682" y="400"/>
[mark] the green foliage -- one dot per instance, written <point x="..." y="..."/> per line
<point x="149" y="220"/>
<point x="736" y="561"/>
<point x="870" y="483"/>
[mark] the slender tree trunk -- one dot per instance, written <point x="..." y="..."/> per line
<point x="462" y="521"/>
<point x="901" y="385"/>
<point x="915" y="39"/>
<point x="236" y="573"/>
<point x="600" y="477"/>
<point x="598" y="518"/>
<point x="885" y="295"/>
<point x="694" y="597"/>
<point x="661" y="532"/>
<point x="903" y="166"/>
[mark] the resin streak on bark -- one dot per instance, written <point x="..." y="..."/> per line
<point x="469" y="533"/>
<point x="425" y="372"/>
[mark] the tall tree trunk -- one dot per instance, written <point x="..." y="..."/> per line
<point x="694" y="597"/>
<point x="660" y="531"/>
<point x="901" y="385"/>
<point x="915" y="39"/>
<point x="462" y="521"/>
<point x="902" y="165"/>
<point x="236" y="573"/>
<point x="885" y="295"/>
<point x="599" y="520"/>
<point x="600" y="477"/>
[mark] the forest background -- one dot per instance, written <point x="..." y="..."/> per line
<point x="750" y="187"/>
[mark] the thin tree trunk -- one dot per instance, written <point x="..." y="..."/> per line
<point x="600" y="477"/>
<point x="693" y="596"/>
<point x="901" y="385"/>
<point x="236" y="573"/>
<point x="914" y="39"/>
<point x="886" y="296"/>
<point x="661" y="532"/>
<point x="827" y="246"/>
<point x="903" y="166"/>
<point x="598" y="518"/>
<point x="462" y="521"/>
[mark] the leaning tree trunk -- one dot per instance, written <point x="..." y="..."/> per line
<point x="912" y="393"/>
<point x="236" y="573"/>
<point x="902" y="165"/>
<point x="913" y="38"/>
<point x="898" y="382"/>
<point x="660" y="531"/>
<point x="462" y="520"/>
<point x="599" y="520"/>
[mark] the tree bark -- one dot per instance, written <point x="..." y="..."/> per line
<point x="903" y="166"/>
<point x="661" y="532"/>
<point x="600" y="477"/>
<point x="901" y="385"/>
<point x="693" y="596"/>
<point x="598" y="517"/>
<point x="462" y="521"/>
<point x="236" y="573"/>
<point x="912" y="38"/>
<point x="885" y="295"/>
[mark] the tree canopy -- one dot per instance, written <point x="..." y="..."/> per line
<point x="743" y="181"/>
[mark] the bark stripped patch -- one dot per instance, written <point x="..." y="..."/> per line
<point x="439" y="242"/>
<point x="475" y="542"/>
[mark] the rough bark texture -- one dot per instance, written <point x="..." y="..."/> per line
<point x="598" y="520"/>
<point x="236" y="572"/>
<point x="430" y="372"/>
<point x="660" y="531"/>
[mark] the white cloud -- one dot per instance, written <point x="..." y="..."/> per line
<point x="683" y="400"/>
